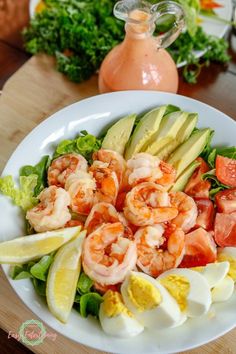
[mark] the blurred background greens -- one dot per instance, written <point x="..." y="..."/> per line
<point x="79" y="33"/>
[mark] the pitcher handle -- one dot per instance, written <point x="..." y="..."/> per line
<point x="169" y="8"/>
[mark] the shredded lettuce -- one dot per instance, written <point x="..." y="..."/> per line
<point x="40" y="169"/>
<point x="85" y="144"/>
<point x="22" y="196"/>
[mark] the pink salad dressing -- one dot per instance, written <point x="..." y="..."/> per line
<point x="139" y="62"/>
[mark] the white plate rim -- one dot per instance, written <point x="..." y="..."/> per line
<point x="88" y="100"/>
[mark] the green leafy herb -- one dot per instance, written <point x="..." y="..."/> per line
<point x="90" y="304"/>
<point x="40" y="170"/>
<point x="79" y="33"/>
<point x="22" y="196"/>
<point x="84" y="284"/>
<point x="85" y="144"/>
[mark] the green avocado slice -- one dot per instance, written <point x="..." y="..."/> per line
<point x="144" y="131"/>
<point x="188" y="151"/>
<point x="183" y="134"/>
<point x="118" y="134"/>
<point x="181" y="182"/>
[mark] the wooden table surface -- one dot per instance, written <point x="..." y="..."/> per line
<point x="216" y="86"/>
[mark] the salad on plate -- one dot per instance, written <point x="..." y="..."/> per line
<point x="136" y="227"/>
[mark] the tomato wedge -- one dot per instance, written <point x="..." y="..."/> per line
<point x="226" y="170"/>
<point x="226" y="201"/>
<point x="196" y="187"/>
<point x="205" y="214"/>
<point x="200" y="249"/>
<point x="225" y="229"/>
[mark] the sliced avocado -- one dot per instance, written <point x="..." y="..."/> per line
<point x="189" y="150"/>
<point x="145" y="129"/>
<point x="181" y="182"/>
<point x="118" y="135"/>
<point x="167" y="132"/>
<point x="170" y="108"/>
<point x="183" y="134"/>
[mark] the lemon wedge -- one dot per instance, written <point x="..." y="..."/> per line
<point x="63" y="277"/>
<point x="27" y="248"/>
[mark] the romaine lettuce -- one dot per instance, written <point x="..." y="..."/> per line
<point x="22" y="196"/>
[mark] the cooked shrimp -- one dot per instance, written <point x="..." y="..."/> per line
<point x="158" y="251"/>
<point x="107" y="185"/>
<point x="52" y="212"/>
<point x="104" y="213"/>
<point x="107" y="256"/>
<point x="101" y="213"/>
<point x="81" y="188"/>
<point x="63" y="166"/>
<point x="168" y="174"/>
<point x="187" y="210"/>
<point x="144" y="167"/>
<point x="148" y="204"/>
<point x="74" y="222"/>
<point x="112" y="160"/>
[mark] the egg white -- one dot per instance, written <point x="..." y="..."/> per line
<point x="167" y="314"/>
<point x="199" y="297"/>
<point x="121" y="326"/>
<point x="228" y="252"/>
<point x="214" y="273"/>
<point x="223" y="290"/>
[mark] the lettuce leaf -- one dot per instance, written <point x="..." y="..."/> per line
<point x="85" y="144"/>
<point x="216" y="185"/>
<point x="39" y="270"/>
<point x="84" y="284"/>
<point x="90" y="304"/>
<point x="40" y="169"/>
<point x="210" y="155"/>
<point x="22" y="196"/>
<point x="191" y="9"/>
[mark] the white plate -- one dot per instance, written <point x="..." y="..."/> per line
<point x="209" y="25"/>
<point x="93" y="114"/>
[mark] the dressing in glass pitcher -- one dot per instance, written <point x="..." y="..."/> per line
<point x="140" y="62"/>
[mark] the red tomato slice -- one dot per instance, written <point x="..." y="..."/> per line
<point x="200" y="249"/>
<point x="205" y="214"/>
<point x="225" y="229"/>
<point x="196" y="187"/>
<point x="226" y="170"/>
<point x="226" y="201"/>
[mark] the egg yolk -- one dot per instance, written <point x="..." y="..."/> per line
<point x="198" y="269"/>
<point x="113" y="304"/>
<point x="179" y="287"/>
<point x="232" y="261"/>
<point x="144" y="295"/>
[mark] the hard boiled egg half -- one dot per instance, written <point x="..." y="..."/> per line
<point x="214" y="273"/>
<point x="150" y="302"/>
<point x="189" y="288"/>
<point x="228" y="254"/>
<point x="115" y="318"/>
<point x="222" y="286"/>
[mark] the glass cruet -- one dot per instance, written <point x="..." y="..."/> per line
<point x="140" y="62"/>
